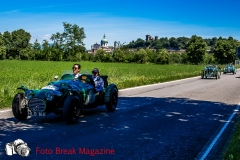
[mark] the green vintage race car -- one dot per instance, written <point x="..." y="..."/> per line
<point x="229" y="69"/>
<point x="211" y="71"/>
<point x="67" y="97"/>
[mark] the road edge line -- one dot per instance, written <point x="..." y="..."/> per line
<point x="5" y="110"/>
<point x="219" y="134"/>
<point x="148" y="85"/>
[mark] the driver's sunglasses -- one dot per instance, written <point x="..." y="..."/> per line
<point x="94" y="72"/>
<point x="74" y="68"/>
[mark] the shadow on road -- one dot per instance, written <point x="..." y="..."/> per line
<point x="148" y="127"/>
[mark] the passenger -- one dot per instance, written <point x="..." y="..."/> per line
<point x="98" y="81"/>
<point x="76" y="70"/>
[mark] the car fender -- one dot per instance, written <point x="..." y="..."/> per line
<point x="70" y="98"/>
<point x="77" y="94"/>
<point x="108" y="92"/>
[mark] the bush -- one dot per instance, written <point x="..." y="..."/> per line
<point x="162" y="57"/>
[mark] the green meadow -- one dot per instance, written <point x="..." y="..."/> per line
<point x="36" y="74"/>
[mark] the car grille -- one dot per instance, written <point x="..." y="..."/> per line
<point x="36" y="105"/>
<point x="209" y="70"/>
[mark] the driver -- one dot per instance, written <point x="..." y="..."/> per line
<point x="76" y="70"/>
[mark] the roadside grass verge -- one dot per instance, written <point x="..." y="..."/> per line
<point x="233" y="150"/>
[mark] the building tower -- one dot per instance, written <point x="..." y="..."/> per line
<point x="104" y="41"/>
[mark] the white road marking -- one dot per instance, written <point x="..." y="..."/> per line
<point x="157" y="84"/>
<point x="219" y="134"/>
<point x="5" y="110"/>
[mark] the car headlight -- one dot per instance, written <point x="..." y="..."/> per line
<point x="28" y="94"/>
<point x="49" y="96"/>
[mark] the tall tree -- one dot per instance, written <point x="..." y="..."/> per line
<point x="2" y="48"/>
<point x="7" y="42"/>
<point x="139" y="43"/>
<point x="182" y="42"/>
<point x="37" y="50"/>
<point x="214" y="41"/>
<point x="27" y="53"/>
<point x="20" y="40"/>
<point x="1" y="39"/>
<point x="2" y="52"/>
<point x="73" y="37"/>
<point x="165" y="42"/>
<point x="225" y="50"/>
<point x="47" y="50"/>
<point x="58" y="46"/>
<point x="196" y="49"/>
<point x="173" y="42"/>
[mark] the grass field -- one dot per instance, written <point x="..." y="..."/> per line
<point x="36" y="74"/>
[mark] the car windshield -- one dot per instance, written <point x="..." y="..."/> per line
<point x="68" y="74"/>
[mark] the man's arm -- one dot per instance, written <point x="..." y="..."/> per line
<point x="99" y="84"/>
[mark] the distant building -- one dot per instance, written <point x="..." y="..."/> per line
<point x="149" y="38"/>
<point x="103" y="45"/>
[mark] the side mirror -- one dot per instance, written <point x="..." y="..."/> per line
<point x="56" y="77"/>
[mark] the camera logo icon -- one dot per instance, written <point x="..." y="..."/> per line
<point x="17" y="147"/>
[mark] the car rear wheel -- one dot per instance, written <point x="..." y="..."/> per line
<point x="19" y="107"/>
<point x="202" y="74"/>
<point x="72" y="109"/>
<point x="112" y="104"/>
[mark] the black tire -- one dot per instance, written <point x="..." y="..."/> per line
<point x="72" y="109"/>
<point x="112" y="104"/>
<point x="216" y="76"/>
<point x="202" y="74"/>
<point x="20" y="112"/>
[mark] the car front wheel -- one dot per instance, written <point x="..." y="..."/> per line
<point x="72" y="109"/>
<point x="19" y="107"/>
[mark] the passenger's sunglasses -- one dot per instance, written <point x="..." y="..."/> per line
<point x="74" y="68"/>
<point x="94" y="72"/>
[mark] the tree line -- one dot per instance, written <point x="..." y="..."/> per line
<point x="69" y="46"/>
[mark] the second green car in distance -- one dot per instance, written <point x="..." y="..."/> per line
<point x="229" y="69"/>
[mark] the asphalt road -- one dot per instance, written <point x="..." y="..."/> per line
<point x="185" y="119"/>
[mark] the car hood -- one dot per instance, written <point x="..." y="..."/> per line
<point x="60" y="87"/>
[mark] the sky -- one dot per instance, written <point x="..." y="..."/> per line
<point x="123" y="20"/>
